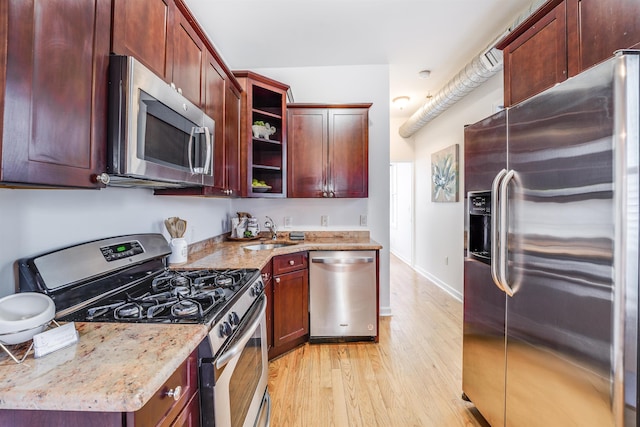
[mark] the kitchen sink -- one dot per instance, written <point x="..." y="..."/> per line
<point x="265" y="246"/>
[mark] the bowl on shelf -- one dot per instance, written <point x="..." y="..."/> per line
<point x="23" y="315"/>
<point x="261" y="189"/>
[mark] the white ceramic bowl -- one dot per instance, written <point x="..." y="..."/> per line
<point x="23" y="315"/>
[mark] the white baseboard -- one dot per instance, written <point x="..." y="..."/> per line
<point x="439" y="283"/>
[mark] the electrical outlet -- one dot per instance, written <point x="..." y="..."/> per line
<point x="363" y="220"/>
<point x="324" y="220"/>
<point x="287" y="221"/>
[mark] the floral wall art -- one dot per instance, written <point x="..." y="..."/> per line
<point x="444" y="175"/>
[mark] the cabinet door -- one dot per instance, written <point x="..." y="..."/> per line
<point x="190" y="415"/>
<point x="597" y="28"/>
<point x="188" y="60"/>
<point x="141" y="29"/>
<point x="348" y="169"/>
<point x="232" y="139"/>
<point x="290" y="307"/>
<point x="214" y="95"/>
<point x="537" y="59"/>
<point x="307" y="143"/>
<point x="55" y="103"/>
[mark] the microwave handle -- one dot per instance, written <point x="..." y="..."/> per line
<point x="207" y="163"/>
<point x="190" y="150"/>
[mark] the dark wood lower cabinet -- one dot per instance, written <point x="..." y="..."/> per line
<point x="290" y="302"/>
<point x="162" y="410"/>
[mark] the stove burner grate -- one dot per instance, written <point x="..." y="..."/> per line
<point x="172" y="296"/>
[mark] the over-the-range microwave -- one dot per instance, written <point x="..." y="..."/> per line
<point x="156" y="137"/>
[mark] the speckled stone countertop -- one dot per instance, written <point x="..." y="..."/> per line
<point x="114" y="367"/>
<point x="220" y="253"/>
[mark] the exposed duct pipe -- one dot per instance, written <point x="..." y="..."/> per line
<point x="476" y="72"/>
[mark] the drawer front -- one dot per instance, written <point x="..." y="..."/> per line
<point x="163" y="408"/>
<point x="289" y="262"/>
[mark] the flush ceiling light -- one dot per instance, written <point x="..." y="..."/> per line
<point x="401" y="101"/>
<point x="424" y="74"/>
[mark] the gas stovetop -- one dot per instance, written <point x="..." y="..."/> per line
<point x="170" y="297"/>
<point x="126" y="279"/>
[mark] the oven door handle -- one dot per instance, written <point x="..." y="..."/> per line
<point x="238" y="345"/>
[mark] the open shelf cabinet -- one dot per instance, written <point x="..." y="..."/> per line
<point x="263" y="157"/>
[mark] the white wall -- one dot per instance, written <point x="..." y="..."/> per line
<point x="344" y="84"/>
<point x="401" y="149"/>
<point x="35" y="221"/>
<point x="439" y="227"/>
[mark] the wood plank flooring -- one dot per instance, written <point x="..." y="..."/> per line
<point x="412" y="377"/>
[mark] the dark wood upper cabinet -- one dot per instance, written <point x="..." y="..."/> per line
<point x="189" y="56"/>
<point x="54" y="90"/>
<point x="537" y="59"/>
<point x="232" y="186"/>
<point x="562" y="39"/>
<point x="154" y="47"/>
<point x="169" y="45"/>
<point x="328" y="150"/>
<point x="597" y="28"/>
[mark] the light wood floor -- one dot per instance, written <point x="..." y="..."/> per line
<point x="412" y="377"/>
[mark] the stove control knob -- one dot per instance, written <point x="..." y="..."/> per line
<point x="225" y="329"/>
<point x="234" y="319"/>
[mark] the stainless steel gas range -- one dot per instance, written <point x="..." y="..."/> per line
<point x="126" y="279"/>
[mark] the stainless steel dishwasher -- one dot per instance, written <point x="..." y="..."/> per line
<point x="343" y="296"/>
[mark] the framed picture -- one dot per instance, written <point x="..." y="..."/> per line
<point x="444" y="175"/>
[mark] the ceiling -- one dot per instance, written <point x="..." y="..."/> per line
<point x="408" y="35"/>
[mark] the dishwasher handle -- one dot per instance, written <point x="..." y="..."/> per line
<point x="358" y="260"/>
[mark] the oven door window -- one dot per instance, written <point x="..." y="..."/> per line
<point x="245" y="380"/>
<point x="241" y="380"/>
<point x="164" y="136"/>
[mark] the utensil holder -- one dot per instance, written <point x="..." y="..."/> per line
<point x="179" y="251"/>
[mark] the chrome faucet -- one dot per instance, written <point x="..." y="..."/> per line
<point x="271" y="225"/>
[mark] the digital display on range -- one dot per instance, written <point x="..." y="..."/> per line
<point x="121" y="250"/>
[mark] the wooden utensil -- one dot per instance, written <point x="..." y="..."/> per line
<point x="180" y="227"/>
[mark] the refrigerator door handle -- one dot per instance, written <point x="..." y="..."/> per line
<point x="495" y="227"/>
<point x="503" y="233"/>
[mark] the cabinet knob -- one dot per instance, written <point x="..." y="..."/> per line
<point x="175" y="393"/>
<point x="332" y="194"/>
<point x="277" y="280"/>
<point x="292" y="262"/>
<point x="324" y="194"/>
<point x="102" y="178"/>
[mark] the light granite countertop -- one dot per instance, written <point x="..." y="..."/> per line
<point x="218" y="253"/>
<point x="114" y="367"/>
<point x="118" y="367"/>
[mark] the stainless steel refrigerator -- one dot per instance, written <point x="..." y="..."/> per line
<point x="551" y="260"/>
